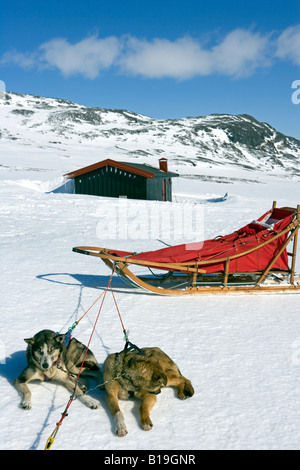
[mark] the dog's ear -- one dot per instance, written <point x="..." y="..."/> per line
<point x="29" y="341"/>
<point x="59" y="338"/>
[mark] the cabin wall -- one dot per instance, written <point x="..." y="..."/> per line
<point x="111" y="182"/>
<point x="159" y="189"/>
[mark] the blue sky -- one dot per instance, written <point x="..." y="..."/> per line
<point x="165" y="59"/>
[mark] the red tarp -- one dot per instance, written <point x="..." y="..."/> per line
<point x="247" y="237"/>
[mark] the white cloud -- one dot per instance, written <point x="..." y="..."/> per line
<point x="180" y="59"/>
<point x="288" y="44"/>
<point x="240" y="53"/>
<point x="87" y="57"/>
<point x="25" y="61"/>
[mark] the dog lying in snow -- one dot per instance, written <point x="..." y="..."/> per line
<point x="49" y="358"/>
<point x="140" y="373"/>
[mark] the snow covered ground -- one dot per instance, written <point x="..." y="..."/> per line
<point x="242" y="353"/>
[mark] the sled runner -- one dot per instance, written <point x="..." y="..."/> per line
<point x="253" y="259"/>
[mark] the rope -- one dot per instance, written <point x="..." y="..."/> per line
<point x="68" y="334"/>
<point x="90" y="307"/>
<point x="107" y="381"/>
<point x="50" y="440"/>
<point x="128" y="345"/>
<point x="124" y="330"/>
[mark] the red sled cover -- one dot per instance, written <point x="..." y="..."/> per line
<point x="252" y="235"/>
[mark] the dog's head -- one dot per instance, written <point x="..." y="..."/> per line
<point x="45" y="348"/>
<point x="146" y="376"/>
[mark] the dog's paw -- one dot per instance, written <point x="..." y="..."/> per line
<point x="121" y="431"/>
<point x="90" y="402"/>
<point x="26" y="405"/>
<point x="147" y="425"/>
<point x="187" y="392"/>
<point x="120" y="427"/>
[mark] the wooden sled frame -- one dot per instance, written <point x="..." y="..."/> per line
<point x="190" y="278"/>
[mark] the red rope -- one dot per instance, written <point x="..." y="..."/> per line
<point x="94" y="327"/>
<point x="105" y="292"/>
<point x="65" y="413"/>
<point x="117" y="309"/>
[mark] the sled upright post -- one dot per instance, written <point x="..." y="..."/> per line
<point x="295" y="244"/>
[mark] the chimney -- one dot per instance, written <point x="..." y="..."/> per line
<point x="163" y="164"/>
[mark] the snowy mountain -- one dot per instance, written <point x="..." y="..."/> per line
<point x="71" y="130"/>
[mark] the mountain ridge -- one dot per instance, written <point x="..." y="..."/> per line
<point x="233" y="141"/>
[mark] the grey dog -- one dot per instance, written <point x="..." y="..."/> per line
<point x="48" y="358"/>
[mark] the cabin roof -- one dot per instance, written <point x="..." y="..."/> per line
<point x="147" y="171"/>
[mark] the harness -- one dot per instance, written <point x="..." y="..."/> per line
<point x="131" y="347"/>
<point x="122" y="375"/>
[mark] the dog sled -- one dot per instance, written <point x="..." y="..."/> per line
<point x="253" y="259"/>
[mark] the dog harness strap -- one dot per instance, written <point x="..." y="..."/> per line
<point x="68" y="334"/>
<point x="130" y="346"/>
<point x="47" y="379"/>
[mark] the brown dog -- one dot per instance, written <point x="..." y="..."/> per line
<point x="140" y="373"/>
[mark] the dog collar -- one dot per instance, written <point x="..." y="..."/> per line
<point x="48" y="379"/>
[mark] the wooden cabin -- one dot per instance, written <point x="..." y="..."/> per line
<point x="123" y="179"/>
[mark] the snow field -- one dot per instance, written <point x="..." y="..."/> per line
<point x="240" y="352"/>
